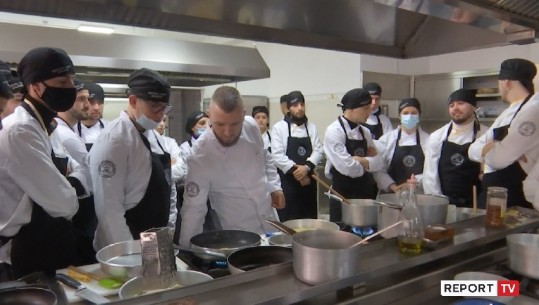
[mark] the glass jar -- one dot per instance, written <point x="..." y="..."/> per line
<point x="496" y="206"/>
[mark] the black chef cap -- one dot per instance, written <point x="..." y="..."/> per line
<point x="96" y="92"/>
<point x="44" y="63"/>
<point x="355" y="98"/>
<point x="5" y="70"/>
<point x="410" y="102"/>
<point x="5" y="90"/>
<point x="464" y="95"/>
<point x="258" y="109"/>
<point x="15" y="84"/>
<point x="294" y="97"/>
<point x="149" y="85"/>
<point x="373" y="88"/>
<point x="79" y="85"/>
<point x="517" y="69"/>
<point x="284" y="99"/>
<point x="193" y="119"/>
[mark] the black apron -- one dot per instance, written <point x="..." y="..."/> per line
<point x="458" y="174"/>
<point x="510" y="177"/>
<point x="377" y="131"/>
<point x="45" y="243"/>
<point x="300" y="200"/>
<point x="153" y="210"/>
<point x="269" y="136"/>
<point x="363" y="187"/>
<point x="406" y="160"/>
<point x="79" y="128"/>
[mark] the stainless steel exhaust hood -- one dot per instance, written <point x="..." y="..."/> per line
<point x="395" y="28"/>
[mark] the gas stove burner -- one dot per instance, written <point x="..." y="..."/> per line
<point x="363" y="231"/>
<point x="214" y="268"/>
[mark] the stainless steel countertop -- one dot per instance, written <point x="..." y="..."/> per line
<point x="381" y="259"/>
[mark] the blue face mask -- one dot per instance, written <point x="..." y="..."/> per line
<point x="199" y="131"/>
<point x="409" y="121"/>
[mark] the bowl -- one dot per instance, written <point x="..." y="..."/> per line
<point x="135" y="287"/>
<point x="121" y="260"/>
<point x="283" y="240"/>
<point x="483" y="276"/>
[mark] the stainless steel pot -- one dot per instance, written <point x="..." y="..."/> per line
<point x="433" y="211"/>
<point x="523" y="254"/>
<point x="324" y="255"/>
<point x="360" y="212"/>
<point x="310" y="224"/>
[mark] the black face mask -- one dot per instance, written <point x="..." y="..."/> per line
<point x="59" y="99"/>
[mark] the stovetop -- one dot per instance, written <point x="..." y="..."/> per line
<point x="215" y="268"/>
<point x="528" y="286"/>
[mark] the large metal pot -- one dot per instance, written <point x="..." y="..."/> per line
<point x="324" y="255"/>
<point x="311" y="224"/>
<point x="121" y="260"/>
<point x="523" y="254"/>
<point x="360" y="212"/>
<point x="223" y="241"/>
<point x="433" y="211"/>
<point x="258" y="257"/>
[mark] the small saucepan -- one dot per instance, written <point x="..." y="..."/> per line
<point x="223" y="241"/>
<point x="258" y="257"/>
<point x="27" y="295"/>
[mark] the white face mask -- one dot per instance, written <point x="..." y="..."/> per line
<point x="146" y="123"/>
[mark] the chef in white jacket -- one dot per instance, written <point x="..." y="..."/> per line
<point x="261" y="116"/>
<point x="230" y="166"/>
<point x="177" y="165"/>
<point x="510" y="147"/>
<point x="377" y="123"/>
<point x="130" y="168"/>
<point x="89" y="128"/>
<point x="403" y="149"/>
<point x="39" y="187"/>
<point x="350" y="152"/>
<point x="448" y="169"/>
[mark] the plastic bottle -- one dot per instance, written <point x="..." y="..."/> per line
<point x="411" y="231"/>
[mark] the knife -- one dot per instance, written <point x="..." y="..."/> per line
<point x="81" y="290"/>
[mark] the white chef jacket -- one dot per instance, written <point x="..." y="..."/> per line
<point x="460" y="134"/>
<point x="386" y="148"/>
<point x="338" y="157"/>
<point x="90" y="134"/>
<point x="279" y="141"/>
<point x="266" y="138"/>
<point x="178" y="167"/>
<point x="238" y="181"/>
<point x="384" y="120"/>
<point x="522" y="139"/>
<point x="27" y="172"/>
<point x="120" y="165"/>
<point x="72" y="142"/>
<point x="185" y="151"/>
<point x="530" y="186"/>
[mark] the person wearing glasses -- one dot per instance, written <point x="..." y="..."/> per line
<point x="130" y="168"/>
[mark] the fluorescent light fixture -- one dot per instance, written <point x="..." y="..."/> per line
<point x="95" y="29"/>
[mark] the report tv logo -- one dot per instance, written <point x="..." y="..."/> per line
<point x="467" y="288"/>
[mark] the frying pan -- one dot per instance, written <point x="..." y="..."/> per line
<point x="257" y="257"/>
<point x="27" y="296"/>
<point x="223" y="241"/>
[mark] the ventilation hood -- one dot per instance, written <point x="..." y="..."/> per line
<point x="394" y="28"/>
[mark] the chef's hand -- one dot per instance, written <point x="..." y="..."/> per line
<point x="488" y="147"/>
<point x="305" y="181"/>
<point x="371" y="152"/>
<point x="364" y="162"/>
<point x="277" y="199"/>
<point x="523" y="159"/>
<point x="395" y="188"/>
<point x="301" y="172"/>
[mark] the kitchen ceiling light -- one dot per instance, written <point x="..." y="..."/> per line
<point x="95" y="29"/>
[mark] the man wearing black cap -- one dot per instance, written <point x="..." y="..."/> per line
<point x="130" y="169"/>
<point x="510" y="147"/>
<point x="284" y="104"/>
<point x="39" y="186"/>
<point x="350" y="151"/>
<point x="402" y="149"/>
<point x="5" y="95"/>
<point x="297" y="150"/>
<point x="261" y="116"/>
<point x="378" y="123"/>
<point x="448" y="169"/>
<point x="89" y="128"/>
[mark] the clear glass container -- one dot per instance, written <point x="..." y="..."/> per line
<point x="411" y="231"/>
<point x="496" y="206"/>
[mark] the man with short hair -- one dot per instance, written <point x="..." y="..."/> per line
<point x="89" y="128"/>
<point x="448" y="169"/>
<point x="230" y="166"/>
<point x="130" y="168"/>
<point x="510" y="148"/>
<point x="261" y="116"/>
<point x="378" y="123"/>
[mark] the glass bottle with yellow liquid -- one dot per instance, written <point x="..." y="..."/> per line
<point x="411" y="231"/>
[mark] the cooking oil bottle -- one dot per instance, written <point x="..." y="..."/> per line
<point x="411" y="231"/>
